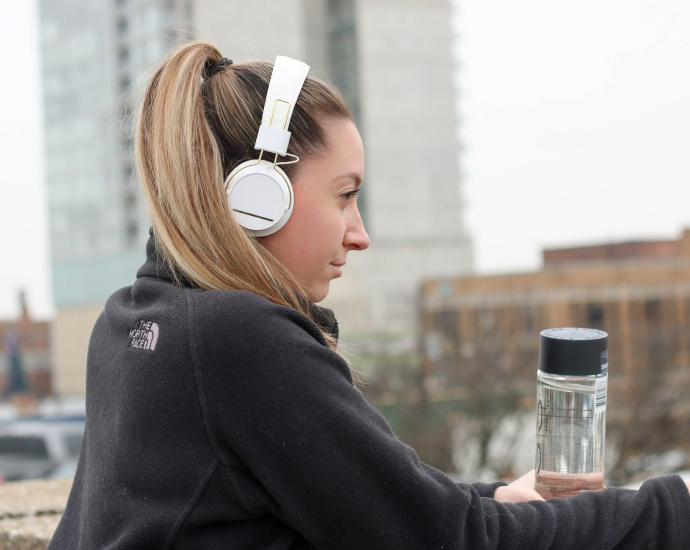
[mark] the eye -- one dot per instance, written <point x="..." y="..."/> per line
<point x="347" y="196"/>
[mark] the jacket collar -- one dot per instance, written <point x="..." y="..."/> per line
<point x="156" y="268"/>
<point x="325" y="319"/>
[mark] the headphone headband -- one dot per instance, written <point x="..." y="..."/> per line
<point x="259" y="192"/>
<point x="287" y="79"/>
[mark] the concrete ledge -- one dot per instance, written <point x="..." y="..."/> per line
<point x="31" y="533"/>
<point x="30" y="512"/>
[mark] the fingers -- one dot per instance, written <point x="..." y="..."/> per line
<point x="520" y="490"/>
<point x="510" y="493"/>
<point x="525" y="482"/>
<point x="535" y="496"/>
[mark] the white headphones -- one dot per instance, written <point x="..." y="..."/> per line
<point x="259" y="192"/>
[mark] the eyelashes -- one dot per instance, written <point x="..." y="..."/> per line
<point x="347" y="196"/>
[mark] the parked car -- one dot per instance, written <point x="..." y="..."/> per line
<point x="32" y="448"/>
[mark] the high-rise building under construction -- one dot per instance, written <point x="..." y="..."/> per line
<point x="391" y="59"/>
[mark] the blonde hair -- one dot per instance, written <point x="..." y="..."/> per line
<point x="191" y="132"/>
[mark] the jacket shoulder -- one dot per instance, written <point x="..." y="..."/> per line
<point x="247" y="315"/>
<point x="238" y="333"/>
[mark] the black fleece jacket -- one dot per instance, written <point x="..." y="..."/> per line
<point x="219" y="420"/>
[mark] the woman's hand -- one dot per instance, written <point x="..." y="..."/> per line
<point x="520" y="490"/>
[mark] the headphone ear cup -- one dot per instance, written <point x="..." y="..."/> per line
<point x="260" y="197"/>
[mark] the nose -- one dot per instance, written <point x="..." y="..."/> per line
<point x="356" y="237"/>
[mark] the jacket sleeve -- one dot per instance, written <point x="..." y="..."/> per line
<point x="486" y="489"/>
<point x="278" y="398"/>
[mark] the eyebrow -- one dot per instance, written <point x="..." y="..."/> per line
<point x="354" y="175"/>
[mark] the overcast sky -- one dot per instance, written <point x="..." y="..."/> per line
<point x="23" y="224"/>
<point x="575" y="124"/>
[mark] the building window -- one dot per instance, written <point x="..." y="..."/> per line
<point x="595" y="316"/>
<point x="128" y="143"/>
<point x="343" y="63"/>
<point x="446" y="323"/>
<point x="171" y="13"/>
<point x="342" y="50"/>
<point x="130" y="201"/>
<point x="123" y="56"/>
<point x="652" y="311"/>
<point x="124" y="84"/>
<point x="529" y="318"/>
<point x="486" y="321"/>
<point x="132" y="232"/>
<point x="122" y="27"/>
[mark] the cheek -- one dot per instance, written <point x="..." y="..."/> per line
<point x="311" y="239"/>
<point x="308" y="227"/>
<point x="314" y="230"/>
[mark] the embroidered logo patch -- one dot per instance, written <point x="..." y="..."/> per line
<point x="144" y="336"/>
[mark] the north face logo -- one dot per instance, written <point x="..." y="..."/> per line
<point x="144" y="336"/>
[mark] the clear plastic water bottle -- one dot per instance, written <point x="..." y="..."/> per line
<point x="571" y="411"/>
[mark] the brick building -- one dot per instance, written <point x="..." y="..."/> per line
<point x="29" y="342"/>
<point x="481" y="334"/>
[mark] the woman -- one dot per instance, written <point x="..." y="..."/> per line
<point x="219" y="411"/>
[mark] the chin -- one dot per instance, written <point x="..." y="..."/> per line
<point x="319" y="294"/>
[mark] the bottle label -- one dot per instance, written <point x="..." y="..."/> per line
<point x="600" y="390"/>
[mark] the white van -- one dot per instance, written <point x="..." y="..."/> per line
<point x="32" y="448"/>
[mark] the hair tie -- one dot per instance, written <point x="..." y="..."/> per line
<point x="217" y="66"/>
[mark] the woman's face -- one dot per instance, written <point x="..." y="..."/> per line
<point x="325" y="223"/>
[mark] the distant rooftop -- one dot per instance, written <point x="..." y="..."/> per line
<point x="620" y="251"/>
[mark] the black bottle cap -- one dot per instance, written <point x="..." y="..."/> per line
<point x="573" y="351"/>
